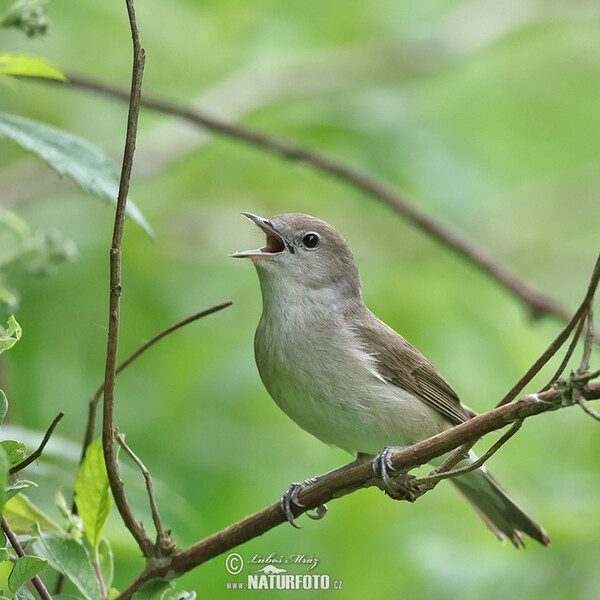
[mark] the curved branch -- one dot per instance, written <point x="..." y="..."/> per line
<point x="342" y="483"/>
<point x="538" y="304"/>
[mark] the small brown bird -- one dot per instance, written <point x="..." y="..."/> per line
<point x="346" y="377"/>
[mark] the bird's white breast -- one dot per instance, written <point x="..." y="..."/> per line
<point x="314" y="367"/>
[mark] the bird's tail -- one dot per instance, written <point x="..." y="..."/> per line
<point x="503" y="516"/>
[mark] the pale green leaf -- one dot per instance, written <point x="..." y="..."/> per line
<point x="18" y="486"/>
<point x="69" y="557"/>
<point x="7" y="297"/>
<point x="70" y="155"/>
<point x="3" y="406"/>
<point x="24" y="569"/>
<point x="15" y="451"/>
<point x="21" y="513"/>
<point x="21" y="65"/>
<point x="92" y="493"/>
<point x="11" y="335"/>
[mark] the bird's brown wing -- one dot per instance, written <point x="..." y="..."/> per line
<point x="400" y="363"/>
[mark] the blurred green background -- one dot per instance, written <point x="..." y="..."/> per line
<point x="485" y="113"/>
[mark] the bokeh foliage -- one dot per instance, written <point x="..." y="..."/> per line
<point x="484" y="112"/>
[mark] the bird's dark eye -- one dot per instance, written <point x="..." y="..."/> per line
<point x="311" y="240"/>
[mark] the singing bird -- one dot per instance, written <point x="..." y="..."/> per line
<point x="346" y="377"/>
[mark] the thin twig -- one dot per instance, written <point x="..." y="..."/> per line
<point x="577" y="395"/>
<point x="160" y="535"/>
<point x="430" y="481"/>
<point x="37" y="453"/>
<point x="93" y="404"/>
<point x="567" y="357"/>
<point x="12" y="538"/>
<point x="350" y="480"/>
<point x="589" y="339"/>
<point x="558" y="342"/>
<point x="537" y="303"/>
<point x="116" y="484"/>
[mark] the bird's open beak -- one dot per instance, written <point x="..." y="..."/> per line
<point x="274" y="245"/>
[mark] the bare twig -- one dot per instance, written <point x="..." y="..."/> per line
<point x="559" y="341"/>
<point x="567" y="357"/>
<point x="37" y="453"/>
<point x="589" y="339"/>
<point x="537" y="303"/>
<point x="93" y="404"/>
<point x="430" y="481"/>
<point x="578" y="396"/>
<point x="161" y="538"/>
<point x="350" y="480"/>
<point x="116" y="484"/>
<point x="12" y="538"/>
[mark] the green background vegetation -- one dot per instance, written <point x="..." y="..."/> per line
<point x="485" y="113"/>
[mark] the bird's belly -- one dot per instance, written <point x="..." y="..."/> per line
<point x="341" y="401"/>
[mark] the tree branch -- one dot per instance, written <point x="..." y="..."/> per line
<point x="116" y="484"/>
<point x="538" y="304"/>
<point x="37" y="453"/>
<point x="362" y="476"/>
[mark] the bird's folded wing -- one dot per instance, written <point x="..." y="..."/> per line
<point x="400" y="363"/>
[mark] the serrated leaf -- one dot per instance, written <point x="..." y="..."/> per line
<point x="153" y="589"/>
<point x="92" y="492"/>
<point x="15" y="451"/>
<point x="17" y="487"/>
<point x="25" y="569"/>
<point x="11" y="335"/>
<point x="22" y="65"/>
<point x="3" y="406"/>
<point x="70" y="558"/>
<point x="22" y="513"/>
<point x="71" y="155"/>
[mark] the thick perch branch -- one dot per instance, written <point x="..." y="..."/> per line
<point x="362" y="476"/>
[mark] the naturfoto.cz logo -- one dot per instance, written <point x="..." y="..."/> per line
<point x="272" y="577"/>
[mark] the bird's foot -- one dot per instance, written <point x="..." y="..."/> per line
<point x="397" y="486"/>
<point x="291" y="497"/>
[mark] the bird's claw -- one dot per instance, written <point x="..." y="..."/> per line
<point x="382" y="463"/>
<point x="291" y="497"/>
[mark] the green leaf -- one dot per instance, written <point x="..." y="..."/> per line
<point x="153" y="589"/>
<point x="4" y="555"/>
<point x="3" y="478"/>
<point x="5" y="570"/>
<point x="11" y="335"/>
<point x="24" y="569"/>
<point x="2" y="539"/>
<point x="24" y="594"/>
<point x="70" y="155"/>
<point x="21" y="65"/>
<point x="15" y="451"/>
<point x="112" y="594"/>
<point x="70" y="558"/>
<point x="7" y="297"/>
<point x="21" y="513"/>
<point x="3" y="406"/>
<point x="92" y="493"/>
<point x="17" y="487"/>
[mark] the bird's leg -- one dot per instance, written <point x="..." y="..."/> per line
<point x="291" y="495"/>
